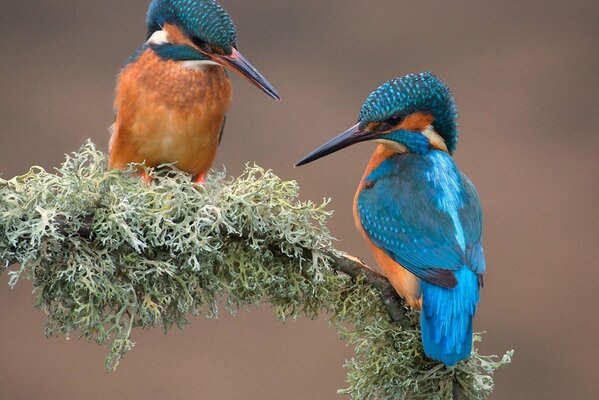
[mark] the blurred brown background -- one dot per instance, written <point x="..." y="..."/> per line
<point x="525" y="77"/>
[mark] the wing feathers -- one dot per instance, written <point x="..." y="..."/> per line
<point x="400" y="213"/>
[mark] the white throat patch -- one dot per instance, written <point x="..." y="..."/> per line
<point x="198" y="64"/>
<point x="395" y="146"/>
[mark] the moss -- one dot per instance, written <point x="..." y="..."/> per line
<point x="108" y="253"/>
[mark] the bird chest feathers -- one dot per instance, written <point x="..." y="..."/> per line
<point x="168" y="84"/>
<point x="169" y="113"/>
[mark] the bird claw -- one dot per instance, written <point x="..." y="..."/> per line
<point x="147" y="178"/>
<point x="200" y="179"/>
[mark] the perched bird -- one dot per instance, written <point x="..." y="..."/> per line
<point x="419" y="214"/>
<point x="173" y="93"/>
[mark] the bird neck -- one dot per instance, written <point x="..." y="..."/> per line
<point x="179" y="53"/>
<point x="403" y="141"/>
<point x="382" y="153"/>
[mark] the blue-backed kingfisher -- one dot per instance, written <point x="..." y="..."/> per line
<point x="419" y="214"/>
<point x="173" y="93"/>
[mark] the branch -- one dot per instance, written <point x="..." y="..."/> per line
<point x="355" y="268"/>
<point x="108" y="253"/>
<point x="349" y="265"/>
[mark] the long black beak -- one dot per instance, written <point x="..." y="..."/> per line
<point x="238" y="63"/>
<point x="351" y="136"/>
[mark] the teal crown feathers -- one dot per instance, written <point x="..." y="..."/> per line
<point x="422" y="92"/>
<point x="202" y="19"/>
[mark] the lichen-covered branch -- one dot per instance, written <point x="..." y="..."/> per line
<point x="108" y="254"/>
<point x="356" y="269"/>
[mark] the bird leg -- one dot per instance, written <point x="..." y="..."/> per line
<point x="200" y="179"/>
<point x="147" y="178"/>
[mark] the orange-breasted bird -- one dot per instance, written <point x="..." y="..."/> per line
<point x="173" y="93"/>
<point x="419" y="214"/>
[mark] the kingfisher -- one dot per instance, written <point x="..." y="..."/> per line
<point x="419" y="214"/>
<point x="173" y="93"/>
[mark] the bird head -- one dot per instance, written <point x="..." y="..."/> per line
<point x="414" y="113"/>
<point x="199" y="32"/>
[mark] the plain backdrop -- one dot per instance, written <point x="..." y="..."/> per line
<point x="524" y="74"/>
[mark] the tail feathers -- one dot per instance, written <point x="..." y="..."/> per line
<point x="446" y="318"/>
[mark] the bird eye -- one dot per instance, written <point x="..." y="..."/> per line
<point x="202" y="45"/>
<point x="207" y="47"/>
<point x="394" y="120"/>
<point x="217" y="50"/>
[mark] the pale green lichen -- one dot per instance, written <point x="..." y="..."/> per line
<point x="108" y="253"/>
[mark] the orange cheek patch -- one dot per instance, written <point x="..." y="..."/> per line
<point x="372" y="126"/>
<point x="416" y="122"/>
<point x="175" y="36"/>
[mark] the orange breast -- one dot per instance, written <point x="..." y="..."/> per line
<point x="404" y="282"/>
<point x="169" y="114"/>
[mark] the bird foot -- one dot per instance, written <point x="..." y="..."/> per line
<point x="200" y="179"/>
<point x="148" y="179"/>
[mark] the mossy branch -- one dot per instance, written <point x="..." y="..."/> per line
<point x="108" y="253"/>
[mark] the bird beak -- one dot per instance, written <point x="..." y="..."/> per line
<point x="353" y="135"/>
<point x="238" y="63"/>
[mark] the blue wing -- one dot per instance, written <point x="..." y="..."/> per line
<point x="405" y="210"/>
<point x="472" y="218"/>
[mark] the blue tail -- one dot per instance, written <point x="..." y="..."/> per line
<point x="446" y="318"/>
